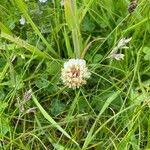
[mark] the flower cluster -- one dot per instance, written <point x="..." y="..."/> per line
<point x="75" y="73"/>
<point x="121" y="45"/>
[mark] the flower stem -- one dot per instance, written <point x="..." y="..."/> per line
<point x="76" y="43"/>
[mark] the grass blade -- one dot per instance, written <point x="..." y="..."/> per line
<point x="22" y="8"/>
<point x="107" y="103"/>
<point x="24" y="44"/>
<point x="72" y="22"/>
<point x="51" y="120"/>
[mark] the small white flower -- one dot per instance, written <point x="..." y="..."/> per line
<point x="122" y="43"/>
<point x="31" y="110"/>
<point x="62" y="3"/>
<point x="42" y="1"/>
<point x="75" y="73"/>
<point x="118" y="56"/>
<point x="22" y="20"/>
<point x="28" y="95"/>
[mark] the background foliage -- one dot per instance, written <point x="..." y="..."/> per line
<point x="110" y="112"/>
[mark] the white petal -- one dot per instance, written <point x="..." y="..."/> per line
<point x="123" y="42"/>
<point x="119" y="56"/>
<point x="42" y="1"/>
<point x="22" y="20"/>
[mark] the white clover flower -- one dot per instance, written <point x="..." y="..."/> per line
<point x="42" y="1"/>
<point x="75" y="73"/>
<point x="22" y="20"/>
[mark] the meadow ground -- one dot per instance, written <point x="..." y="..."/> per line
<point x="74" y="75"/>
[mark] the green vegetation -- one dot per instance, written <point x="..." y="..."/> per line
<point x="111" y="111"/>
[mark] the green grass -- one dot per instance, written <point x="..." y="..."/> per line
<point x="110" y="112"/>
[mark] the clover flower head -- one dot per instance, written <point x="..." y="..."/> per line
<point x="75" y="73"/>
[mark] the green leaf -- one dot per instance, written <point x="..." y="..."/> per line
<point x="16" y="81"/>
<point x="97" y="58"/>
<point x="51" y="120"/>
<point x="57" y="107"/>
<point x="53" y="67"/>
<point x="2" y="94"/>
<point x="82" y="105"/>
<point x="42" y="82"/>
<point x="3" y="105"/>
<point x="146" y="50"/>
<point x="4" y="126"/>
<point x="5" y="29"/>
<point x="87" y="25"/>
